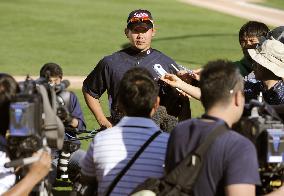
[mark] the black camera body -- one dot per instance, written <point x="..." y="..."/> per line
<point x="266" y="130"/>
<point x="33" y="120"/>
<point x="26" y="131"/>
<point x="269" y="141"/>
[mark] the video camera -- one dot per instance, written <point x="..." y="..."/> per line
<point x="62" y="103"/>
<point x="34" y="123"/>
<point x="265" y="129"/>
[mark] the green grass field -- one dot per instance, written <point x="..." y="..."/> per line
<point x="78" y="33"/>
<point x="279" y="4"/>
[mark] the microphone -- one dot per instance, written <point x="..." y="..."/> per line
<point x="62" y="86"/>
<point x="21" y="162"/>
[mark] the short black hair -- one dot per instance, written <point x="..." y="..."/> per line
<point x="253" y="29"/>
<point x="137" y="92"/>
<point x="8" y="89"/>
<point x="218" y="80"/>
<point x="51" y="70"/>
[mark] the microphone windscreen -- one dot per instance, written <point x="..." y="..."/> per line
<point x="66" y="83"/>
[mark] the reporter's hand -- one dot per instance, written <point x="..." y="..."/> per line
<point x="40" y="168"/>
<point x="188" y="77"/>
<point x="197" y="73"/>
<point x="172" y="80"/>
<point x="185" y="76"/>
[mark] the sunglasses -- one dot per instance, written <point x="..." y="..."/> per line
<point x="140" y="19"/>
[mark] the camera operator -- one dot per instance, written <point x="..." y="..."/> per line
<point x="71" y="115"/>
<point x="53" y="74"/>
<point x="38" y="170"/>
<point x="230" y="166"/>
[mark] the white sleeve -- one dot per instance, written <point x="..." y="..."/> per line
<point x="7" y="176"/>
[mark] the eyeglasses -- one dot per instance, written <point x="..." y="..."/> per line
<point x="140" y="19"/>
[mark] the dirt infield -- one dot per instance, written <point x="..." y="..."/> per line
<point x="243" y="9"/>
<point x="76" y="82"/>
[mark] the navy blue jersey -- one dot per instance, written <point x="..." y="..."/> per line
<point x="108" y="73"/>
<point x="230" y="160"/>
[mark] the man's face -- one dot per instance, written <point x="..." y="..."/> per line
<point x="248" y="43"/>
<point x="54" y="80"/>
<point x="140" y="37"/>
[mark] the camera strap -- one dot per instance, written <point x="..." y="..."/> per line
<point x="206" y="116"/>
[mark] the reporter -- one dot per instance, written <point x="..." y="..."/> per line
<point x="268" y="68"/>
<point x="8" y="89"/>
<point x="230" y="166"/>
<point x="37" y="171"/>
<point x="268" y="61"/>
<point x="249" y="36"/>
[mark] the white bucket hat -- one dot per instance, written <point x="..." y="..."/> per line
<point x="270" y="53"/>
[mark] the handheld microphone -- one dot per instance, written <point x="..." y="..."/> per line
<point x="21" y="162"/>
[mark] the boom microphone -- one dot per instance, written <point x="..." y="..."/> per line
<point x="62" y="86"/>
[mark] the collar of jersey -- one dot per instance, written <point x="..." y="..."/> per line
<point x="136" y="53"/>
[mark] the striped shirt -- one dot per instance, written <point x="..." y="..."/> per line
<point x="112" y="149"/>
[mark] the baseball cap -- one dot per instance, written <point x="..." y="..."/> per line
<point x="270" y="52"/>
<point x="140" y="18"/>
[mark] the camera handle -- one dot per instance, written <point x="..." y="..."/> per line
<point x="28" y="160"/>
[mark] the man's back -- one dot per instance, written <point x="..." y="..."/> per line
<point x="230" y="160"/>
<point x="112" y="149"/>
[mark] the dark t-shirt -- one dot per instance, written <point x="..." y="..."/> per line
<point x="110" y="70"/>
<point x="272" y="96"/>
<point x="230" y="160"/>
<point x="244" y="66"/>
